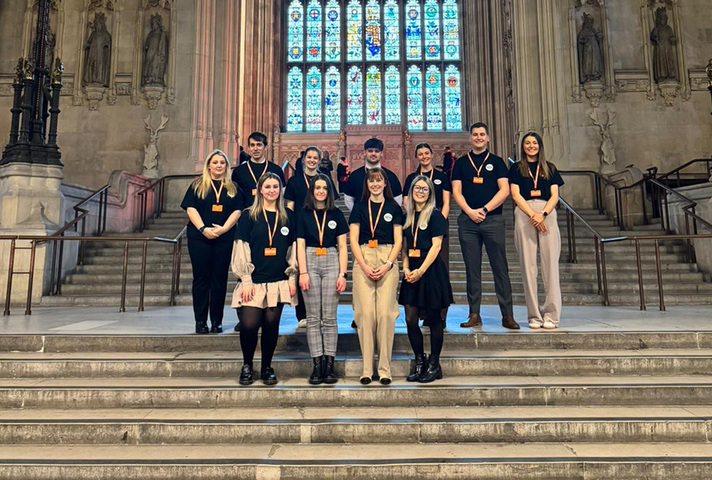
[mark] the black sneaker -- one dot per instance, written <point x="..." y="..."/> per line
<point x="268" y="377"/>
<point x="246" y="376"/>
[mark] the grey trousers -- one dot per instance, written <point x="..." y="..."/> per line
<point x="321" y="301"/>
<point x="491" y="234"/>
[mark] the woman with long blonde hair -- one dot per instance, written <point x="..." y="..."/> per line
<point x="264" y="260"/>
<point x="213" y="207"/>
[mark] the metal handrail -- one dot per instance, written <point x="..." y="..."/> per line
<point x="159" y="196"/>
<point x="676" y="171"/>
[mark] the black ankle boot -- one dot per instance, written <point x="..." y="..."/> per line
<point x="317" y="377"/>
<point x="246" y="376"/>
<point x="417" y="369"/>
<point x="216" y="327"/>
<point x="329" y="375"/>
<point x="201" y="328"/>
<point x="434" y="372"/>
<point x="268" y="377"/>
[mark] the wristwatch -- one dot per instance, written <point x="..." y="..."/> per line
<point x="344" y="275"/>
<point x="484" y="209"/>
<point x="543" y="212"/>
<point x="201" y="229"/>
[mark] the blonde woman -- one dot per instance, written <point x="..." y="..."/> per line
<point x="213" y="206"/>
<point x="264" y="261"/>
<point x="425" y="290"/>
<point x="535" y="190"/>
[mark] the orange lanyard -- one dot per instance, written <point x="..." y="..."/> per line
<point x="536" y="177"/>
<point x="414" y="231"/>
<point x="270" y="232"/>
<point x="320" y="228"/>
<point x="217" y="192"/>
<point x="370" y="217"/>
<point x="306" y="180"/>
<point x="249" y="167"/>
<point x="420" y="172"/>
<point x="478" y="170"/>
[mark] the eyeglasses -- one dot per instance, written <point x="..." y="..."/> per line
<point x="420" y="189"/>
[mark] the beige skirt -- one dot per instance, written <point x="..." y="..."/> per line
<point x="266" y="295"/>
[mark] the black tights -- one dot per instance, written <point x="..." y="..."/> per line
<point x="416" y="336"/>
<point x="251" y="319"/>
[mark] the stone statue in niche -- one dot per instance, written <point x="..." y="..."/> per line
<point x="155" y="51"/>
<point x="590" y="51"/>
<point x="150" y="151"/>
<point x="97" y="53"/>
<point x="664" y="41"/>
<point x="607" y="150"/>
<point x="51" y="43"/>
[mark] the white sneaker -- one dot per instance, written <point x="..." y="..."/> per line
<point x="549" y="325"/>
<point x="535" y="324"/>
<point x="302" y="323"/>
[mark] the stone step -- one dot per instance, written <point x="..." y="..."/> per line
<point x="189" y="392"/>
<point x="385" y="425"/>
<point x="298" y="365"/>
<point x="563" y="460"/>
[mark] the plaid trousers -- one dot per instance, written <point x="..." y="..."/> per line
<point x="321" y="301"/>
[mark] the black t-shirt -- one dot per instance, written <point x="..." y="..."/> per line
<point x="297" y="189"/>
<point x="207" y="214"/>
<point x="243" y="179"/>
<point x="268" y="268"/>
<point x="439" y="179"/>
<point x="334" y="226"/>
<point x="437" y="227"/>
<point x="390" y="215"/>
<point x="478" y="194"/>
<point x="354" y="185"/>
<point x="526" y="184"/>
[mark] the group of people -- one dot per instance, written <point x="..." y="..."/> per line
<point x="287" y="244"/>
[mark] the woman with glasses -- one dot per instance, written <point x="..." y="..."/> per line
<point x="264" y="260"/>
<point x="425" y="289"/>
<point x="213" y="205"/>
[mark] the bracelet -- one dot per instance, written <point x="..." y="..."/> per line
<point x="303" y="273"/>
<point x="201" y="229"/>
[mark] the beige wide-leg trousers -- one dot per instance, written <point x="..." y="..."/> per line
<point x="526" y="240"/>
<point x="376" y="310"/>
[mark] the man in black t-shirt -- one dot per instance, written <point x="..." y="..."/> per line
<point x="480" y="185"/>
<point x="247" y="174"/>
<point x="354" y="185"/>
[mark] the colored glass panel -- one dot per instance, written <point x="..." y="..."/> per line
<point x="295" y="44"/>
<point x="295" y="100"/>
<point x="372" y="38"/>
<point x="392" y="96"/>
<point x="355" y="96"/>
<point x="314" y="31"/>
<point x="391" y="31"/>
<point x="453" y="110"/>
<point x="332" y="99"/>
<point x="413" y="30"/>
<point x="451" y="31"/>
<point x="332" y="32"/>
<point x="354" y="32"/>
<point x="432" y="30"/>
<point x="433" y="98"/>
<point x="313" y="100"/>
<point x="415" y="98"/>
<point x="373" y="94"/>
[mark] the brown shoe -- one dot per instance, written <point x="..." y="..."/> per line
<point x="508" y="322"/>
<point x="473" y="320"/>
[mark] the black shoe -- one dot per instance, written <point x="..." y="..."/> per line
<point x="317" y="377"/>
<point x="268" y="377"/>
<point x="417" y="369"/>
<point x="246" y="376"/>
<point x="237" y="327"/>
<point x="329" y="375"/>
<point x="201" y="328"/>
<point x="365" y="380"/>
<point x="216" y="328"/>
<point x="434" y="372"/>
<point x="385" y="381"/>
<point x="375" y="377"/>
<point x="353" y="324"/>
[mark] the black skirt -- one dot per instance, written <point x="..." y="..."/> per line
<point x="432" y="292"/>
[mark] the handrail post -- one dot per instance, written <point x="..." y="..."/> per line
<point x="10" y="270"/>
<point x="122" y="308"/>
<point x="59" y="268"/>
<point x="573" y="241"/>
<point x="687" y="232"/>
<point x="568" y="235"/>
<point x="658" y="269"/>
<point x="143" y="275"/>
<point x="31" y="278"/>
<point x="173" y="274"/>
<point x="639" y="265"/>
<point x="596" y="243"/>
<point x="606" y="299"/>
<point x="106" y="205"/>
<point x="180" y="259"/>
<point x="53" y="268"/>
<point x="81" y="243"/>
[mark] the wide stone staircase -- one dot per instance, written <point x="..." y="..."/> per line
<point x="525" y="405"/>
<point x="98" y="281"/>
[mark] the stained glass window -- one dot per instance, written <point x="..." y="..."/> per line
<point x="332" y="99"/>
<point x="355" y="96"/>
<point x="332" y="32"/>
<point x="313" y="100"/>
<point x="415" y="98"/>
<point x="392" y="96"/>
<point x="395" y="62"/>
<point x="295" y="100"/>
<point x="295" y="50"/>
<point x="373" y="94"/>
